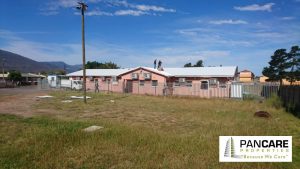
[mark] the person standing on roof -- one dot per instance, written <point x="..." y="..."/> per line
<point x="159" y="64"/>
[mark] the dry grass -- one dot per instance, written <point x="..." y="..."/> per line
<point x="140" y="132"/>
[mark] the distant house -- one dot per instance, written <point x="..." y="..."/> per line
<point x="204" y="81"/>
<point x="31" y="78"/>
<point x="263" y="79"/>
<point x="3" y="76"/>
<point x="246" y="76"/>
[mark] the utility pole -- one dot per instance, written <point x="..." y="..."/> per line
<point x="83" y="7"/>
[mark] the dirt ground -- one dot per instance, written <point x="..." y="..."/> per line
<point x="18" y="101"/>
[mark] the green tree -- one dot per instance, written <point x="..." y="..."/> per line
<point x="294" y="64"/>
<point x="188" y="65"/>
<point x="14" y="76"/>
<point x="277" y="66"/>
<point x="97" y="65"/>
<point x="56" y="72"/>
<point x="199" y="63"/>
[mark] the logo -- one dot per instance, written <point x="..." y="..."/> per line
<point x="255" y="148"/>
<point x="229" y="150"/>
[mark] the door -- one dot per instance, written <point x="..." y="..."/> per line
<point x="128" y="86"/>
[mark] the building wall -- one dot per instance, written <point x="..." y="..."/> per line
<point x="219" y="89"/>
<point x="246" y="76"/>
<point x="246" y="79"/>
<point x="165" y="85"/>
<point x="105" y="84"/>
<point x="154" y="76"/>
<point x="136" y="86"/>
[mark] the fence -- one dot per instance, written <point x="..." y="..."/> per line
<point x="7" y="84"/>
<point x="290" y="97"/>
<point x="234" y="90"/>
<point x="253" y="90"/>
<point x="43" y="84"/>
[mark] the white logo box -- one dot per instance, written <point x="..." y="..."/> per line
<point x="255" y="148"/>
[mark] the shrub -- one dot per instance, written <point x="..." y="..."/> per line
<point x="274" y="101"/>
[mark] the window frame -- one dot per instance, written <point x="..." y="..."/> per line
<point x="207" y="84"/>
<point x="154" y="81"/>
<point x="142" y="84"/>
<point x="215" y="83"/>
<point x="189" y="83"/>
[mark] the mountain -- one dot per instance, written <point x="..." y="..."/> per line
<point x="25" y="65"/>
<point x="63" y="66"/>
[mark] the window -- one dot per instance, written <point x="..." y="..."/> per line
<point x="147" y="75"/>
<point x="176" y="83"/>
<point x="114" y="80"/>
<point x="108" y="81"/>
<point x="134" y="76"/>
<point x="222" y="85"/>
<point x="181" y="80"/>
<point x="52" y="78"/>
<point x="204" y="85"/>
<point x="213" y="83"/>
<point x="189" y="84"/>
<point x="142" y="83"/>
<point x="154" y="83"/>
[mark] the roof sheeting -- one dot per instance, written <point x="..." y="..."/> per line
<point x="229" y="71"/>
<point x="224" y="71"/>
<point x="100" y="72"/>
<point x="32" y="75"/>
<point x="164" y="73"/>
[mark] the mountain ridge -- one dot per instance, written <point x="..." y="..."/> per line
<point x="23" y="64"/>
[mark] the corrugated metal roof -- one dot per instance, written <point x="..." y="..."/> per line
<point x="229" y="71"/>
<point x="224" y="71"/>
<point x="164" y="73"/>
<point x="32" y="75"/>
<point x="99" y="72"/>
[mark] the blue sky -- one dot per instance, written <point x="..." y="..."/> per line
<point x="135" y="32"/>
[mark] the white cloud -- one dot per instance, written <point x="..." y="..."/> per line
<point x="126" y="8"/>
<point x="97" y="12"/>
<point x="269" y="35"/>
<point x="229" y="21"/>
<point x="130" y="12"/>
<point x="287" y="18"/>
<point x="71" y="52"/>
<point x="256" y="7"/>
<point x="153" y="8"/>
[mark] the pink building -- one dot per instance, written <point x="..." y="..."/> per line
<point x="194" y="81"/>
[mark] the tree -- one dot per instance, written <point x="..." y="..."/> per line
<point x="97" y="65"/>
<point x="277" y="66"/>
<point x="56" y="72"/>
<point x="14" y="76"/>
<point x="199" y="63"/>
<point x="188" y="65"/>
<point x="294" y="64"/>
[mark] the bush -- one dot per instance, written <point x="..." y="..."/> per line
<point x="274" y="101"/>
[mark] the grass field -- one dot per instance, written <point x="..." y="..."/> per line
<point x="139" y="132"/>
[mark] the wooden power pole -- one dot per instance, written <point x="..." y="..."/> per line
<point x="83" y="7"/>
